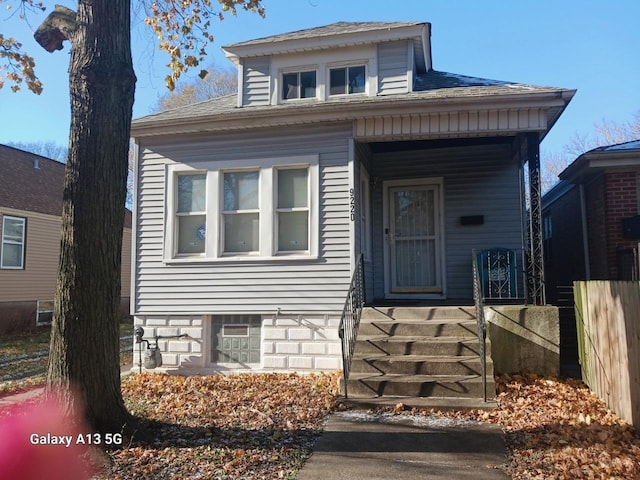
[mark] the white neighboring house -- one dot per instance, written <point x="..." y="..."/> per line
<point x="251" y="209"/>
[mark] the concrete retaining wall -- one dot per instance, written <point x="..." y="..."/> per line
<point x="524" y="339"/>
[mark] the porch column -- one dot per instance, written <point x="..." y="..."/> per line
<point x="536" y="264"/>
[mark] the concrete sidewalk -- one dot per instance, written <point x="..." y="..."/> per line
<point x="356" y="445"/>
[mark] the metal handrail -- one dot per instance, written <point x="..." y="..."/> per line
<point x="480" y="320"/>
<point x="350" y="320"/>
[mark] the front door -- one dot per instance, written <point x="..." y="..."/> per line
<point x="413" y="237"/>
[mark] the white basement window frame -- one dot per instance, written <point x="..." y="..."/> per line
<point x="268" y="211"/>
<point x="14" y="231"/>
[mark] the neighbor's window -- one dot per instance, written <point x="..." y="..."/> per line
<point x="299" y="85"/>
<point x="292" y="209"/>
<point x="241" y="212"/>
<point x="13" y="236"/>
<point x="191" y="213"/>
<point x="347" y="80"/>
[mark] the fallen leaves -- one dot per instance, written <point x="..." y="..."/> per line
<point x="559" y="429"/>
<point x="263" y="426"/>
<point x="250" y="426"/>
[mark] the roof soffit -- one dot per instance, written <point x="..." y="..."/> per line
<point x="551" y="102"/>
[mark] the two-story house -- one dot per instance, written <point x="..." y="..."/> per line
<point x="252" y="210"/>
<point x="31" y="188"/>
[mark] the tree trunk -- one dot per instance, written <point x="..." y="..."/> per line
<point x="84" y="360"/>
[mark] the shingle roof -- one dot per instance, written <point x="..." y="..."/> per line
<point x="620" y="147"/>
<point x="24" y="187"/>
<point x="432" y="85"/>
<point x="333" y="29"/>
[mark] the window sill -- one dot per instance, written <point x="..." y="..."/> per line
<point x="238" y="259"/>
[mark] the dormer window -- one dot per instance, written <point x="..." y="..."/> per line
<point x="347" y="80"/>
<point x="299" y="85"/>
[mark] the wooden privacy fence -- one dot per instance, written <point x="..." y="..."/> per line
<point x="608" y="324"/>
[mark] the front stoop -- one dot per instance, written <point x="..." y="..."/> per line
<point x="427" y="357"/>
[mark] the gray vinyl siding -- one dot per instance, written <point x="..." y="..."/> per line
<point x="393" y="58"/>
<point x="255" y="82"/>
<point x="246" y="287"/>
<point x="362" y="156"/>
<point x="476" y="181"/>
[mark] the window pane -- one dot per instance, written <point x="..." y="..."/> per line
<point x="191" y="234"/>
<point x="308" y="84"/>
<point x="293" y="231"/>
<point x="338" y="79"/>
<point x="290" y="86"/>
<point x="192" y="193"/>
<point x="356" y="79"/>
<point x="13" y="229"/>
<point x="292" y="188"/>
<point x="241" y="232"/>
<point x="240" y="191"/>
<point x="11" y="255"/>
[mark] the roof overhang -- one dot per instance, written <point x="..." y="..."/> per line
<point x="278" y="45"/>
<point x="601" y="159"/>
<point x="387" y="117"/>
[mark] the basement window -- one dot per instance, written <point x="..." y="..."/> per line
<point x="235" y="340"/>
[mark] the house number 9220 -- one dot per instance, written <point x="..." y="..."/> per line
<point x="352" y="205"/>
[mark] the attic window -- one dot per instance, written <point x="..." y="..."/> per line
<point x="347" y="80"/>
<point x="299" y="85"/>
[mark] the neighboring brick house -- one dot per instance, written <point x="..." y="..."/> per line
<point x="592" y="217"/>
<point x="30" y="207"/>
<point x="591" y="229"/>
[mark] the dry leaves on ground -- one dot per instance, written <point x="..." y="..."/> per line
<point x="263" y="426"/>
<point x="557" y="429"/>
<point x="242" y="426"/>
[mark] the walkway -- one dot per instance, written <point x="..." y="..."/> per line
<point x="356" y="445"/>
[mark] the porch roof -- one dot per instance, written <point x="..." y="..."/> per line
<point x="435" y="93"/>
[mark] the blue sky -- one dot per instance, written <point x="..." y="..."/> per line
<point x="588" y="45"/>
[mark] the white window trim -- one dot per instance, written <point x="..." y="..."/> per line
<point x="352" y="63"/>
<point x="222" y="212"/>
<point x="298" y="69"/>
<point x="12" y="242"/>
<point x="267" y="191"/>
<point x="171" y="211"/>
<point x="276" y="210"/>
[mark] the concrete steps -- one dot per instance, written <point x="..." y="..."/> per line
<point x="419" y="353"/>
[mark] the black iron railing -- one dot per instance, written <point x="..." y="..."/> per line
<point x="480" y="320"/>
<point x="502" y="274"/>
<point x="350" y="320"/>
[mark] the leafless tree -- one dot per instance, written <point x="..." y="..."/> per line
<point x="217" y="83"/>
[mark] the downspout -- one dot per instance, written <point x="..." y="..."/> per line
<point x="585" y="232"/>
